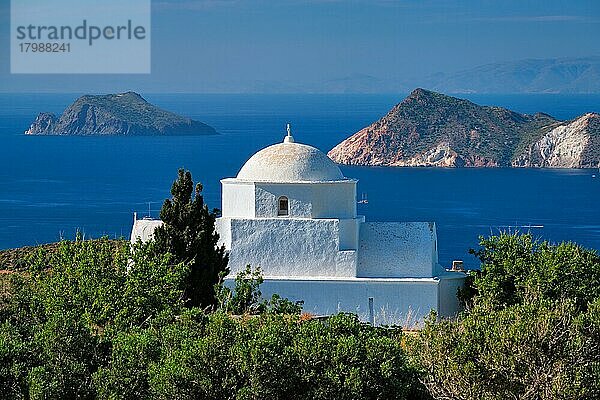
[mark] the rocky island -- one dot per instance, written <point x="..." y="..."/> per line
<point x="116" y="114"/>
<point x="432" y="129"/>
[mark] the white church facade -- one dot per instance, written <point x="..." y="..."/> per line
<point x="291" y="212"/>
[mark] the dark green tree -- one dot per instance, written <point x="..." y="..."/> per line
<point x="189" y="235"/>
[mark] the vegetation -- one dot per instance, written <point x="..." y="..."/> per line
<point x="531" y="329"/>
<point x="92" y="321"/>
<point x="189" y="235"/>
<point x="246" y="297"/>
<point x="17" y="259"/>
<point x="99" y="319"/>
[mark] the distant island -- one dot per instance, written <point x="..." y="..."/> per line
<point x="116" y="114"/>
<point x="555" y="75"/>
<point x="433" y="129"/>
<point x="570" y="75"/>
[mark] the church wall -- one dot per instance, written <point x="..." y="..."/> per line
<point x="394" y="301"/>
<point x="223" y="228"/>
<point x="334" y="200"/>
<point x="299" y="196"/>
<point x="289" y="247"/>
<point x="397" y="249"/>
<point x="238" y="199"/>
<point x="346" y="260"/>
<point x="143" y="229"/>
<point x="349" y="229"/>
<point x="448" y="302"/>
<point x="308" y="200"/>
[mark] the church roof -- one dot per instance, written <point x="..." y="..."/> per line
<point x="143" y="229"/>
<point x="290" y="162"/>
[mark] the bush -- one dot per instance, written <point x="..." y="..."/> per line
<point x="95" y="320"/>
<point x="531" y="330"/>
<point x="278" y="357"/>
<point x="246" y="297"/>
<point x="62" y="317"/>
<point x="516" y="269"/>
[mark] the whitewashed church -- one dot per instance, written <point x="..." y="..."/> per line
<point x="291" y="211"/>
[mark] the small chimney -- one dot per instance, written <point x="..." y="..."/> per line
<point x="458" y="265"/>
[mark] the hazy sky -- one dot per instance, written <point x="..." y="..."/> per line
<point x="212" y="45"/>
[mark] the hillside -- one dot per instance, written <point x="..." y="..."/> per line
<point x="116" y="114"/>
<point x="432" y="129"/>
<point x="575" y="144"/>
<point x="562" y="75"/>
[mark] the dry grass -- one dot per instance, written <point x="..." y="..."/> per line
<point x="15" y="259"/>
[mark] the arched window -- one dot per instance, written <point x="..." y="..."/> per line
<point x="283" y="206"/>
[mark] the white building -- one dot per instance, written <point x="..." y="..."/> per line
<point x="291" y="211"/>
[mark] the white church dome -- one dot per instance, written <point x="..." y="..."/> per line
<point x="290" y="162"/>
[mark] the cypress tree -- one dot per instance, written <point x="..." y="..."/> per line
<point x="189" y="234"/>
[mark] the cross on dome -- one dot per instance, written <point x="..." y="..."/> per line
<point x="289" y="138"/>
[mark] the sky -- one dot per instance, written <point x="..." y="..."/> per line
<point x="208" y="46"/>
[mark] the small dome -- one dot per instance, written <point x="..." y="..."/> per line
<point x="290" y="162"/>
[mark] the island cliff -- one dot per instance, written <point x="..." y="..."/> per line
<point x="116" y="114"/>
<point x="432" y="129"/>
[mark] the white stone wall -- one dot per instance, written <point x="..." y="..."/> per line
<point x="397" y="250"/>
<point x="334" y="200"/>
<point x="299" y="198"/>
<point x="223" y="228"/>
<point x="308" y="200"/>
<point x="449" y="305"/>
<point x="301" y="260"/>
<point x="238" y="199"/>
<point x="395" y="301"/>
<point x="289" y="247"/>
<point x="349" y="231"/>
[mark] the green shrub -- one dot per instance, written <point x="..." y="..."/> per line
<point x="246" y="297"/>
<point x="516" y="269"/>
<point x="531" y="330"/>
<point x="274" y="356"/>
<point x="92" y="320"/>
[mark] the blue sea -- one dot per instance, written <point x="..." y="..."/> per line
<point x="52" y="187"/>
